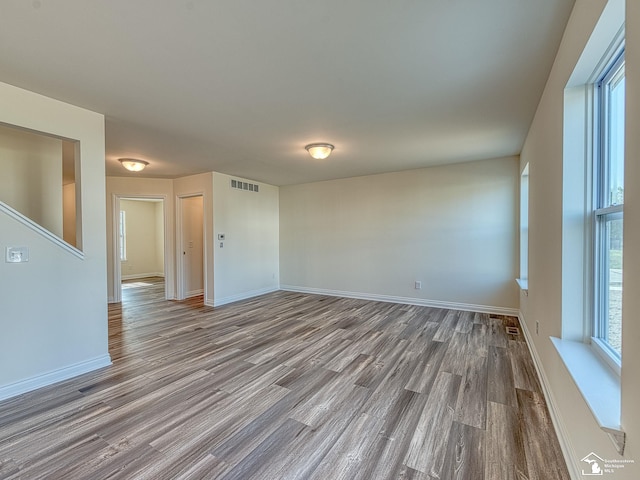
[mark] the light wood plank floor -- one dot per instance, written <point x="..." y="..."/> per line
<point x="290" y="386"/>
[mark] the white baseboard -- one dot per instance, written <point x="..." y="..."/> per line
<point x="194" y="293"/>
<point x="243" y="296"/>
<point x="558" y="425"/>
<point x="49" y="378"/>
<point x="468" y="307"/>
<point x="142" y="275"/>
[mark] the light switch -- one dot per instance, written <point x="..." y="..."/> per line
<point x="17" y="254"/>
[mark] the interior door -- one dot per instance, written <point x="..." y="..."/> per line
<point x="192" y="214"/>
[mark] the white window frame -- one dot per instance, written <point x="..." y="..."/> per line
<point x="604" y="210"/>
<point x="523" y="281"/>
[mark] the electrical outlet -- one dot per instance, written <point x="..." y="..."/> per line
<point x="17" y="254"/>
<point x="418" y="285"/>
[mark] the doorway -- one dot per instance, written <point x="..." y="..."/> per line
<point x="140" y="256"/>
<point x="191" y="255"/>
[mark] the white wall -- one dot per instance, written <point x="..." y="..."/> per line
<point x="248" y="262"/>
<point x="631" y="302"/>
<point x="453" y="228"/>
<point x="31" y="180"/>
<point x="543" y="150"/>
<point x="122" y="187"/>
<point x="246" y="266"/>
<point x="54" y="307"/>
<point x="143" y="227"/>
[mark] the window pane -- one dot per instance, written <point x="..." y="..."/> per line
<point x="616" y="140"/>
<point x="612" y="279"/>
<point x="609" y="191"/>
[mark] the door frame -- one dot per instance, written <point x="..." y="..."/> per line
<point x="180" y="291"/>
<point x="117" y="267"/>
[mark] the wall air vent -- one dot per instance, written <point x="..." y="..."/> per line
<point x="240" y="185"/>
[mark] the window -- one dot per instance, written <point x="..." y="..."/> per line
<point x="122" y="238"/>
<point x="524" y="227"/>
<point x="608" y="194"/>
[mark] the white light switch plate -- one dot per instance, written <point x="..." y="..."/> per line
<point x="17" y="254"/>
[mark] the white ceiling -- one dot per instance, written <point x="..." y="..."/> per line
<point x="240" y="87"/>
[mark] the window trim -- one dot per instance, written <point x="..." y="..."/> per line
<point x="122" y="236"/>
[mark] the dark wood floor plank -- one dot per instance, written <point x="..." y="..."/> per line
<point x="348" y="454"/>
<point x="504" y="443"/>
<point x="501" y="387"/>
<point x="425" y="373"/>
<point x="501" y="471"/>
<point x="543" y="452"/>
<point x="149" y="418"/>
<point x="497" y="335"/>
<point x="464" y="459"/>
<point x="471" y="408"/>
<point x="385" y="459"/>
<point x="254" y="464"/>
<point x="233" y="413"/>
<point x="373" y="375"/>
<point x="427" y="450"/>
<point x="289" y="386"/>
<point x="305" y="455"/>
<point x="392" y="385"/>
<point x="447" y="327"/>
<point x="455" y="359"/>
<point x="465" y="322"/>
<point x="478" y="340"/>
<point x="524" y="372"/>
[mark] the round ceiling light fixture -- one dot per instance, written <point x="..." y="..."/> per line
<point x="133" y="164"/>
<point x="319" y="151"/>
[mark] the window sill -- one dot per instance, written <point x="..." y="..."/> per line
<point x="523" y="283"/>
<point x="597" y="383"/>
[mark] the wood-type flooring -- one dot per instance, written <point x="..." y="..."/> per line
<point x="290" y="386"/>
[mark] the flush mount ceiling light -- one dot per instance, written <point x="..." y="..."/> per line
<point x="133" y="164"/>
<point x="319" y="151"/>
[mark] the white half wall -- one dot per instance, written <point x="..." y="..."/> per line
<point x="54" y="307"/>
<point x="452" y="228"/>
<point x="247" y="263"/>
